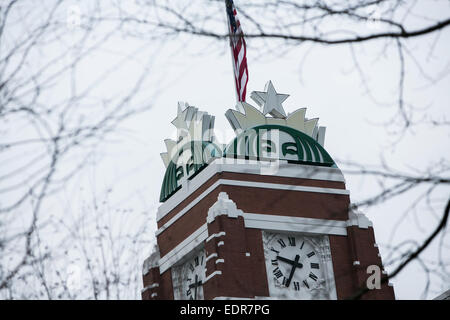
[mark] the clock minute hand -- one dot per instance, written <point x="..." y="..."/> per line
<point x="196" y="284"/>
<point x="294" y="266"/>
<point x="195" y="294"/>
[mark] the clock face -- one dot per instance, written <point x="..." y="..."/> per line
<point x="190" y="277"/>
<point x="294" y="266"/>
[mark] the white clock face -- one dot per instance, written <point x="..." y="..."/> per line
<point x="192" y="277"/>
<point x="294" y="266"/>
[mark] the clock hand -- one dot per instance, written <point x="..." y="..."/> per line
<point x="291" y="262"/>
<point x="196" y="284"/>
<point x="294" y="266"/>
<point x="195" y="292"/>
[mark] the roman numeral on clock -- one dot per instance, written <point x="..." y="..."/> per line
<point x="196" y="261"/>
<point x="305" y="282"/>
<point x="277" y="272"/>
<point x="291" y="241"/>
<point x="274" y="262"/>
<point x="313" y="276"/>
<point x="314" y="265"/>
<point x="191" y="267"/>
<point x="311" y="254"/>
<point x="281" y="242"/>
<point x="296" y="286"/>
<point x="276" y="251"/>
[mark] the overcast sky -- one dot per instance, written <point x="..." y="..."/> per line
<point x="327" y="83"/>
<point x="128" y="169"/>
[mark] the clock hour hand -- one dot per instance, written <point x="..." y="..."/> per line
<point x="291" y="262"/>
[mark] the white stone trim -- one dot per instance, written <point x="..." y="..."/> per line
<point x="216" y="235"/>
<point x="359" y="219"/>
<point x="152" y="261"/>
<point x="356" y="263"/>
<point x="285" y="169"/>
<point x="294" y="224"/>
<point x="220" y="261"/>
<point x="215" y="273"/>
<point x="212" y="255"/>
<point x="223" y="206"/>
<point x="186" y="246"/>
<point x="220" y="243"/>
<point x="154" y="285"/>
<point x="247" y="254"/>
<point x="154" y="295"/>
<point x="287" y="187"/>
<point x="248" y="184"/>
<point x="185" y="209"/>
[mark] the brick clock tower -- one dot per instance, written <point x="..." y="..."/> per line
<point x="266" y="216"/>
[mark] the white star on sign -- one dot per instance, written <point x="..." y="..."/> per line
<point x="270" y="100"/>
<point x="179" y="122"/>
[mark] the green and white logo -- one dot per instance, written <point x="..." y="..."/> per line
<point x="264" y="134"/>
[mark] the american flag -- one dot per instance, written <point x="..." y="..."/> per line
<point x="238" y="50"/>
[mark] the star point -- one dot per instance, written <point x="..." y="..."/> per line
<point x="270" y="101"/>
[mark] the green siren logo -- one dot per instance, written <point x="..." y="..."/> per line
<point x="194" y="148"/>
<point x="279" y="136"/>
<point x="274" y="142"/>
<point x="264" y="134"/>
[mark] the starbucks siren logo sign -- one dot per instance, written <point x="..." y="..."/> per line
<point x="264" y="134"/>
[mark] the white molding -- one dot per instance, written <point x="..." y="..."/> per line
<point x="216" y="235"/>
<point x="280" y="186"/>
<point x="154" y="285"/>
<point x="186" y="246"/>
<point x="186" y="208"/>
<point x="223" y="206"/>
<point x="220" y="261"/>
<point x="248" y="184"/>
<point x="212" y="255"/>
<point x="154" y="295"/>
<point x="152" y="261"/>
<point x="357" y="218"/>
<point x="215" y="273"/>
<point x="295" y="224"/>
<point x="220" y="243"/>
<point x="284" y="169"/>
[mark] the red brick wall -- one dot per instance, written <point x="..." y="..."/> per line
<point x="242" y="276"/>
<point x="245" y="276"/>
<point x="255" y="200"/>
